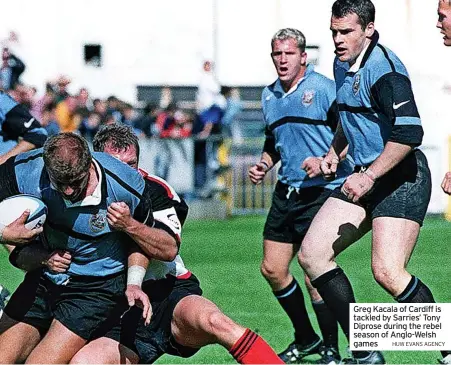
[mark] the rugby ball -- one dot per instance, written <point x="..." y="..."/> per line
<point x="12" y="208"/>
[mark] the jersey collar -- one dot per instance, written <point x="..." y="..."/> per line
<point x="278" y="86"/>
<point x="365" y="54"/>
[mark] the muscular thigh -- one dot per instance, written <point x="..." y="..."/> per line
<point x="337" y="225"/>
<point x="105" y="351"/>
<point x="17" y="340"/>
<point x="278" y="255"/>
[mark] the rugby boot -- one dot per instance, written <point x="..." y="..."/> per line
<point x="296" y="352"/>
<point x="374" y="357"/>
<point x="329" y="355"/>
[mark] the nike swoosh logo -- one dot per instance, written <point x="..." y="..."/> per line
<point x="29" y="123"/>
<point x="397" y="106"/>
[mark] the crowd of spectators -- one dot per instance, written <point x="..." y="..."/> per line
<point x="60" y="110"/>
<point x="208" y="120"/>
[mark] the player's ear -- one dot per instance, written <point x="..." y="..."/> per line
<point x="303" y="58"/>
<point x="369" y="30"/>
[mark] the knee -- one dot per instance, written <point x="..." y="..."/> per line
<point x="81" y="358"/>
<point x="309" y="259"/>
<point x="272" y="273"/>
<point x="217" y="323"/>
<point x="384" y="274"/>
<point x="220" y="328"/>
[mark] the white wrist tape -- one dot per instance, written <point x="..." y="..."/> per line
<point x="135" y="275"/>
<point x="370" y="174"/>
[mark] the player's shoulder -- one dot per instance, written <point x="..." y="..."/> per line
<point x="321" y="81"/>
<point x="29" y="160"/>
<point x="383" y="61"/>
<point x="159" y="186"/>
<point x="268" y="90"/>
<point x="163" y="196"/>
<point x="28" y="170"/>
<point x="6" y="102"/>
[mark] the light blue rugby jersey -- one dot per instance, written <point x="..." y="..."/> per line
<point x="301" y="124"/>
<point x="96" y="249"/>
<point x="376" y="103"/>
<point x="16" y="121"/>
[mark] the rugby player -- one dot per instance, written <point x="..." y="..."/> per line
<point x="390" y="188"/>
<point x="301" y="116"/>
<point x="51" y="318"/>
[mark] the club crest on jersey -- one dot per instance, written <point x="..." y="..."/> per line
<point x="307" y="97"/>
<point x="97" y="222"/>
<point x="356" y="84"/>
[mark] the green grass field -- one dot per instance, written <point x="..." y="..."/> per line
<point x="225" y="255"/>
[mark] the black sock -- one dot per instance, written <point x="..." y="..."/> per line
<point x="327" y="324"/>
<point x="292" y="301"/>
<point x="336" y="291"/>
<point x="415" y="292"/>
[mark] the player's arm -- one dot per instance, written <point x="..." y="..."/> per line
<point x="339" y="146"/>
<point x="18" y="123"/>
<point x="206" y="131"/>
<point x="152" y="238"/>
<point x="268" y="159"/>
<point x="137" y="267"/>
<point x="151" y="235"/>
<point x="15" y="233"/>
<point x="337" y="152"/>
<point x="21" y="146"/>
<point x="313" y="164"/>
<point x="394" y="96"/>
<point x="35" y="256"/>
